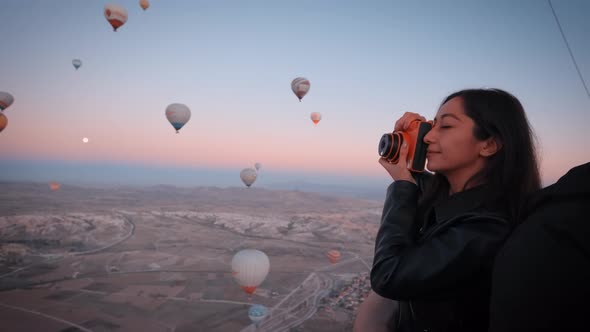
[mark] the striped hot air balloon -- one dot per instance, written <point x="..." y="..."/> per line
<point x="248" y="176"/>
<point x="249" y="268"/>
<point x="6" y="99"/>
<point x="333" y="256"/>
<point x="116" y="15"/>
<point x="300" y="87"/>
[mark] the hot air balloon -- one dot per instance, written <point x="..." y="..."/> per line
<point x="300" y="87"/>
<point x="77" y="63"/>
<point x="115" y="14"/>
<point x="315" y="117"/>
<point x="250" y="268"/>
<point x="248" y="176"/>
<point x="54" y="186"/>
<point x="178" y="115"/>
<point x="333" y="256"/>
<point x="6" y="99"/>
<point x="144" y="4"/>
<point x="257" y="313"/>
<point x="3" y="121"/>
<point x="257" y="166"/>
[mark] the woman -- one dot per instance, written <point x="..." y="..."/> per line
<point x="436" y="245"/>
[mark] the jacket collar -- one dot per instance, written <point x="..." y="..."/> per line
<point x="461" y="202"/>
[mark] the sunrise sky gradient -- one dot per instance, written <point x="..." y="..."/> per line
<point x="231" y="63"/>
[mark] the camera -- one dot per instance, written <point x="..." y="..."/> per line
<point x="391" y="143"/>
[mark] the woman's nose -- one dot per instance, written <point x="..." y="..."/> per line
<point x="429" y="137"/>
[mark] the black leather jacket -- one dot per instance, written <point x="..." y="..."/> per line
<point x="439" y="273"/>
<point x="541" y="279"/>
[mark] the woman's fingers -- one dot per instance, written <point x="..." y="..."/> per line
<point x="403" y="154"/>
<point x="404" y="122"/>
<point x="399" y="170"/>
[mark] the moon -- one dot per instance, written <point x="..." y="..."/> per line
<point x="85" y="140"/>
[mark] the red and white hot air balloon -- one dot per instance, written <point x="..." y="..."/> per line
<point x="249" y="268"/>
<point x="116" y="15"/>
<point x="178" y="115"/>
<point x="315" y="117"/>
<point x="300" y="87"/>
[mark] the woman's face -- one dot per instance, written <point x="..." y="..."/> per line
<point x="453" y="149"/>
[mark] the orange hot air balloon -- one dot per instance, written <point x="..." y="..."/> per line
<point x="315" y="117"/>
<point x="116" y="15"/>
<point x="144" y="4"/>
<point x="3" y="121"/>
<point x="333" y="256"/>
<point x="54" y="186"/>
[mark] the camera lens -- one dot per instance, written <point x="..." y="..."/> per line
<point x="389" y="146"/>
<point x="384" y="144"/>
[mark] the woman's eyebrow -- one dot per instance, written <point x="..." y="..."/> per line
<point x="448" y="115"/>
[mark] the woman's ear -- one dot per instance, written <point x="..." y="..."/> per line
<point x="490" y="147"/>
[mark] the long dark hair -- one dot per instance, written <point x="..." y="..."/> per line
<point x="512" y="172"/>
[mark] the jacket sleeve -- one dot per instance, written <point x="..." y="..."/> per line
<point x="404" y="269"/>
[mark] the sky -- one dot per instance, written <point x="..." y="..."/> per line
<point x="232" y="62"/>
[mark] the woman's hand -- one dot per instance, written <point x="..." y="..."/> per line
<point x="403" y="123"/>
<point x="400" y="170"/>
